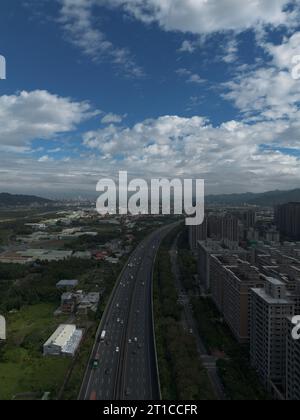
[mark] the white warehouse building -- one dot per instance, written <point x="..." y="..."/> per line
<point x="2" y="328"/>
<point x="65" y="341"/>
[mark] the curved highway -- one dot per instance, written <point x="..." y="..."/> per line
<point x="123" y="364"/>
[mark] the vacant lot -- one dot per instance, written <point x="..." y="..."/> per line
<point x="23" y="369"/>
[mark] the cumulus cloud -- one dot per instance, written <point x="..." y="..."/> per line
<point x="38" y="114"/>
<point x="283" y="53"/>
<point x="233" y="156"/>
<point x="269" y="92"/>
<point x="265" y="93"/>
<point x="230" y="157"/>
<point x="205" y="17"/>
<point x="249" y="154"/>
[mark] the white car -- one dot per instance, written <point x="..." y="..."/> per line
<point x="118" y="350"/>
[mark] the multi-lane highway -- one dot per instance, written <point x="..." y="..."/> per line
<point x="123" y="364"/>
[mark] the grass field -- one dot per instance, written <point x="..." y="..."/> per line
<point x="23" y="369"/>
<point x="4" y="235"/>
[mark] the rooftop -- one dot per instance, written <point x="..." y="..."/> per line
<point x="271" y="300"/>
<point x="61" y="336"/>
<point x="67" y="283"/>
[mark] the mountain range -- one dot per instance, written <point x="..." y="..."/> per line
<point x="12" y="200"/>
<point x="269" y="199"/>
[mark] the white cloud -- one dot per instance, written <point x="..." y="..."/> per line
<point x="57" y="150"/>
<point x="45" y="158"/>
<point x="269" y="92"/>
<point x="231" y="52"/>
<point x="76" y="17"/>
<point x="205" y="17"/>
<point x="233" y="156"/>
<point x="190" y="76"/>
<point x="39" y="114"/>
<point x="230" y="157"/>
<point x="195" y="78"/>
<point x="112" y="119"/>
<point x="266" y="93"/>
<point x="283" y="53"/>
<point x="187" y="46"/>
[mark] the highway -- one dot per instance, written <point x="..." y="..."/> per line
<point x="126" y="368"/>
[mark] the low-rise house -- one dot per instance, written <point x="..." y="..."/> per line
<point x="68" y="303"/>
<point x="87" y="302"/>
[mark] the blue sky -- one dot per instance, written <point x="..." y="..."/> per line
<point x="200" y="88"/>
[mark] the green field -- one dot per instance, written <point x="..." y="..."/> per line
<point x="23" y="369"/>
<point x="4" y="235"/>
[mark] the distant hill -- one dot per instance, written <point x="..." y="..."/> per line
<point x="9" y="200"/>
<point x="270" y="198"/>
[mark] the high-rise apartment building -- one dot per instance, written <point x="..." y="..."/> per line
<point x="292" y="364"/>
<point x="197" y="233"/>
<point x="231" y="282"/>
<point x="270" y="306"/>
<point x="287" y="217"/>
<point x="215" y="227"/>
<point x="249" y="219"/>
<point x="230" y="230"/>
<point x="206" y="249"/>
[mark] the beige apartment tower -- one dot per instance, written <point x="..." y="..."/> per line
<point x="231" y="282"/>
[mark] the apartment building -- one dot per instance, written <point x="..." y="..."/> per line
<point x="231" y="282"/>
<point x="197" y="233"/>
<point x="287" y="218"/>
<point x="292" y="364"/>
<point x="208" y="248"/>
<point x="270" y="306"/>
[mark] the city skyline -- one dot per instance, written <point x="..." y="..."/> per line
<point x="156" y="88"/>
